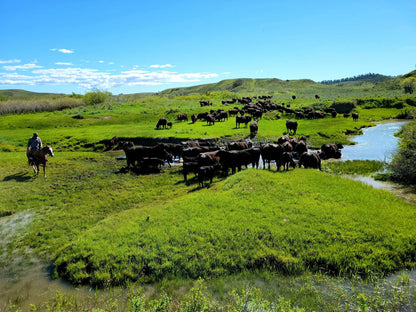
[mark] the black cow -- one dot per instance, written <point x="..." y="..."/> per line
<point x="331" y="151"/>
<point x="135" y="154"/>
<point x="242" y="119"/>
<point x="194" y="118"/>
<point x="188" y="167"/>
<point x="310" y="160"/>
<point x="210" y="119"/>
<point x="271" y="151"/>
<point x="291" y="125"/>
<point x="235" y="159"/>
<point x="162" y="123"/>
<point x="254" y="128"/>
<point x="287" y="160"/>
<point x="207" y="172"/>
<point x="354" y="116"/>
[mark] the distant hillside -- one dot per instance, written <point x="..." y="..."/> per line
<point x="249" y="86"/>
<point x="360" y="79"/>
<point x="23" y="94"/>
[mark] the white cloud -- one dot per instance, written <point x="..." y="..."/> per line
<point x="101" y="62"/>
<point x="66" y="51"/>
<point x="161" y="66"/>
<point x="10" y="61"/>
<point x="64" y="63"/>
<point x="92" y="78"/>
<point x="24" y="67"/>
<point x="226" y="73"/>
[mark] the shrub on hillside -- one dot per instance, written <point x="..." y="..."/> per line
<point x="96" y="97"/>
<point x="403" y="164"/>
<point x="343" y="107"/>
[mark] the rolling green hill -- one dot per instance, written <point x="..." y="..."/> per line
<point x="272" y="86"/>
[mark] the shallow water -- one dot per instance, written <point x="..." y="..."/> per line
<point x="376" y="143"/>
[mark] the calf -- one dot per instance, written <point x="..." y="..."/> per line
<point x="188" y="167"/>
<point x="287" y="160"/>
<point x="207" y="172"/>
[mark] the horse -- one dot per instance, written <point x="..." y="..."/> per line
<point x="40" y="158"/>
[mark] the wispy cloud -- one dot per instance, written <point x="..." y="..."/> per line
<point x="64" y="63"/>
<point x="92" y="78"/>
<point x="161" y="66"/>
<point x="10" y="61"/>
<point x="66" y="51"/>
<point x="22" y="67"/>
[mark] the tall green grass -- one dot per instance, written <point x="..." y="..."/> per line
<point x="290" y="222"/>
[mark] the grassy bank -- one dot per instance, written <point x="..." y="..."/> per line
<point x="101" y="226"/>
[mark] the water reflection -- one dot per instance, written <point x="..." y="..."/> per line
<point x="376" y="143"/>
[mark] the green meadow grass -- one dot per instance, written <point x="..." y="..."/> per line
<point x="291" y="222"/>
<point x="103" y="227"/>
<point x="138" y="119"/>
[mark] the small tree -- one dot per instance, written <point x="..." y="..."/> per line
<point x="403" y="164"/>
<point x="409" y="85"/>
<point x="95" y="97"/>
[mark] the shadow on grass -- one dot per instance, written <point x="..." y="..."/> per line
<point x="19" y="177"/>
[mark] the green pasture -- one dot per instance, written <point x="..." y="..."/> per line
<point x="102" y="226"/>
<point x="72" y="129"/>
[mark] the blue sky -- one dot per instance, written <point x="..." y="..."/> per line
<point x="149" y="46"/>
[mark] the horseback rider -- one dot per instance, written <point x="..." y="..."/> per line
<point x="33" y="145"/>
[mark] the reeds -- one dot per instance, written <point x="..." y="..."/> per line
<point x="37" y="105"/>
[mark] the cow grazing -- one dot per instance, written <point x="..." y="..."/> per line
<point x="205" y="103"/>
<point x="207" y="172"/>
<point x="169" y="124"/>
<point x="182" y="116"/>
<point x="194" y="118"/>
<point x="162" y="123"/>
<point x="210" y="119"/>
<point x="291" y="126"/>
<point x="293" y="97"/>
<point x="310" y="160"/>
<point x="317" y="97"/>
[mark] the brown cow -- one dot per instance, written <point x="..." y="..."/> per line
<point x="310" y="160"/>
<point x="354" y="116"/>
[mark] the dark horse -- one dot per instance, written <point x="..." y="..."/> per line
<point x="40" y="158"/>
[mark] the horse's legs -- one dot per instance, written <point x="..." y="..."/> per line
<point x="44" y="170"/>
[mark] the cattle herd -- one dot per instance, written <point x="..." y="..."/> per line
<point x="252" y="111"/>
<point x="206" y="158"/>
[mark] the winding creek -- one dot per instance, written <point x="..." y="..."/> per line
<point x="31" y="284"/>
<point x="376" y="143"/>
